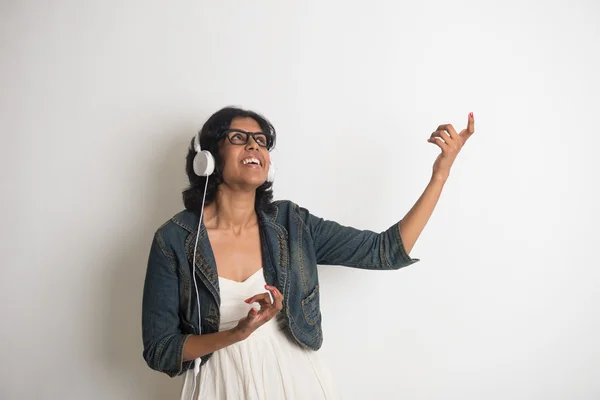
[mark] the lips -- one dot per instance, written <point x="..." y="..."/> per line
<point x="252" y="161"/>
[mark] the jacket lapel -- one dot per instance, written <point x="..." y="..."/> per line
<point x="205" y="266"/>
<point x="275" y="252"/>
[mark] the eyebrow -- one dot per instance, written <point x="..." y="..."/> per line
<point x="243" y="131"/>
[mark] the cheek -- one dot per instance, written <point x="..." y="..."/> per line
<point x="228" y="161"/>
<point x="228" y="167"/>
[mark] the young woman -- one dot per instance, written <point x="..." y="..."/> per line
<point x="253" y="281"/>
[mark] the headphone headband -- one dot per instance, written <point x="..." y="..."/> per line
<point x="197" y="143"/>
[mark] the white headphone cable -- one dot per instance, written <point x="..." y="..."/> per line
<point x="199" y="359"/>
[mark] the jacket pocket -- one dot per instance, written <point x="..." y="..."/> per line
<point x="310" y="307"/>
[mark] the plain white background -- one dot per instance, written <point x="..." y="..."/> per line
<point x="99" y="100"/>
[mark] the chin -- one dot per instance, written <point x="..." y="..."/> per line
<point x="257" y="182"/>
<point x="251" y="184"/>
<point x="254" y="180"/>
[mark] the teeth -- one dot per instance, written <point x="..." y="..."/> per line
<point x="251" y="160"/>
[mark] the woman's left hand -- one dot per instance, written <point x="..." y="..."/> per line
<point x="451" y="143"/>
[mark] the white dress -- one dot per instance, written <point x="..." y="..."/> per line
<point x="269" y="364"/>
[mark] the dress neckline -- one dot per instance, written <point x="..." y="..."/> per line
<point x="242" y="282"/>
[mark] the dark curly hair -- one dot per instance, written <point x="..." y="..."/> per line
<point x="210" y="135"/>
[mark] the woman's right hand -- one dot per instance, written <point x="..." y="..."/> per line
<point x="257" y="318"/>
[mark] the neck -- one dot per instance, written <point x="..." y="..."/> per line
<point x="232" y="209"/>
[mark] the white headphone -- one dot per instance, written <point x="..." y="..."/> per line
<point x="204" y="162"/>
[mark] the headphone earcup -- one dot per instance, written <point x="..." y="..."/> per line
<point x="271" y="173"/>
<point x="204" y="163"/>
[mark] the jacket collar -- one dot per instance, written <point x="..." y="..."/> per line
<point x="188" y="220"/>
<point x="206" y="268"/>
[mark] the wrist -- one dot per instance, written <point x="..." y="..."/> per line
<point x="438" y="177"/>
<point x="237" y="334"/>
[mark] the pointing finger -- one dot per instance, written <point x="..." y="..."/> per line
<point x="471" y="124"/>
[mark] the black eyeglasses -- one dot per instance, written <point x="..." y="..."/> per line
<point x="240" y="137"/>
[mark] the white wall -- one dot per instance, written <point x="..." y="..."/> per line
<point x="99" y="100"/>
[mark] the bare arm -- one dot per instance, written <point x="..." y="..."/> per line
<point x="450" y="143"/>
<point x="201" y="345"/>
<point x="415" y="220"/>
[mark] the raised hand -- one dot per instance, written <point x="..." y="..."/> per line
<point x="257" y="318"/>
<point x="446" y="138"/>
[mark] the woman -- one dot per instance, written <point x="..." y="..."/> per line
<point x="254" y="280"/>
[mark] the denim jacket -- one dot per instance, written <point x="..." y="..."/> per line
<point x="293" y="243"/>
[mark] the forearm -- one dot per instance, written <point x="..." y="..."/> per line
<point x="417" y="217"/>
<point x="201" y="345"/>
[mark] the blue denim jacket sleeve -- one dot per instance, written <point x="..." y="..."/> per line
<point x="336" y="244"/>
<point x="162" y="337"/>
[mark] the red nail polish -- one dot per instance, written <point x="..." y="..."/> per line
<point x="471" y="115"/>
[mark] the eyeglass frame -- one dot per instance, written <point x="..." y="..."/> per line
<point x="269" y="137"/>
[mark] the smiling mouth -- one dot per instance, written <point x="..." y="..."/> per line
<point x="251" y="162"/>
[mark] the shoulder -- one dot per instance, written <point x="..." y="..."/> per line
<point x="283" y="206"/>
<point x="282" y="209"/>
<point x="285" y="211"/>
<point x="184" y="222"/>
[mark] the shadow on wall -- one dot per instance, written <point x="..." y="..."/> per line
<point x="159" y="199"/>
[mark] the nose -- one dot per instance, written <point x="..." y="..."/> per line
<point x="251" y="144"/>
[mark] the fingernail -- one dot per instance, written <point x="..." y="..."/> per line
<point x="471" y="115"/>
